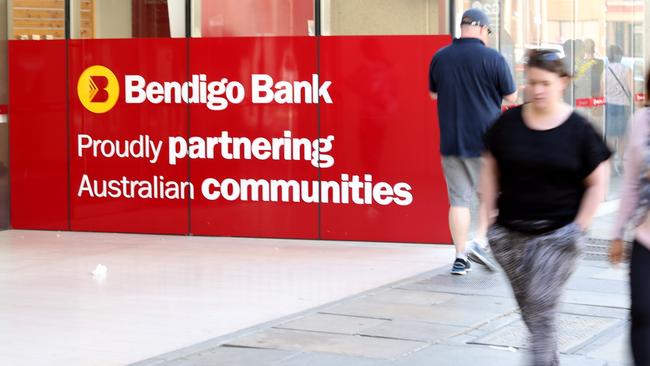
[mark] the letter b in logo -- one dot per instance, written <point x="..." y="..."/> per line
<point x="99" y="85"/>
<point x="98" y="89"/>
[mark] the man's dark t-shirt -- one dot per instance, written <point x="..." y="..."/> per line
<point x="542" y="172"/>
<point x="471" y="81"/>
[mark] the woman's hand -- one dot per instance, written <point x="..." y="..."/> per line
<point x="582" y="226"/>
<point x="616" y="251"/>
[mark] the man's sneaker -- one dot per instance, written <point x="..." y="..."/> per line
<point x="477" y="254"/>
<point x="461" y="267"/>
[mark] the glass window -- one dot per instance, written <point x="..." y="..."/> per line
<point x="127" y="19"/>
<point x="229" y="18"/>
<point x="4" y="127"/>
<point x="377" y="17"/>
<point x="602" y="42"/>
<point x="624" y="77"/>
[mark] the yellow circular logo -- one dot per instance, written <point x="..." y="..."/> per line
<point x="98" y="89"/>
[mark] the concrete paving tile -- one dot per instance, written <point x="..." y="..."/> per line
<point x="327" y="359"/>
<point x="332" y="323"/>
<point x="401" y="296"/>
<point x="597" y="299"/>
<point x="502" y="304"/>
<point x="485" y="329"/>
<point x="570" y="360"/>
<point x="415" y="331"/>
<point x="616" y="350"/>
<point x="454" y="355"/>
<point x="233" y="356"/>
<point x="587" y="269"/>
<point x="606" y="312"/>
<point x="603" y="264"/>
<point x="369" y="347"/>
<point x="447" y="315"/>
<point x="620" y="273"/>
<point x="598" y="285"/>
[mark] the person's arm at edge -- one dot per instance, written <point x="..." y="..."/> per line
<point x="433" y="85"/>
<point x="511" y="98"/>
<point x="489" y="187"/>
<point x="630" y="190"/>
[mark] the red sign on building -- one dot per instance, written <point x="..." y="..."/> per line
<point x="257" y="137"/>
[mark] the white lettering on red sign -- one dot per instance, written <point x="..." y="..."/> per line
<point x="218" y="95"/>
<point x="349" y="189"/>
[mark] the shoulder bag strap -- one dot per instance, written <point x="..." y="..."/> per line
<point x="627" y="93"/>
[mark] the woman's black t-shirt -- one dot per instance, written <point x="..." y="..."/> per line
<point x="542" y="172"/>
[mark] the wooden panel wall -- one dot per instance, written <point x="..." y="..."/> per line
<point x="47" y="17"/>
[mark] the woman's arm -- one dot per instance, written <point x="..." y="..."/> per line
<point x="489" y="188"/>
<point x="596" y="184"/>
<point x="632" y="163"/>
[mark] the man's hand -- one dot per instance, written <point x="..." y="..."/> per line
<point x="616" y="251"/>
<point x="511" y="98"/>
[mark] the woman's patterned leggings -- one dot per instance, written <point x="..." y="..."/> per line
<point x="538" y="266"/>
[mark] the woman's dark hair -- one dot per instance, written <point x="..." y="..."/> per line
<point x="548" y="60"/>
<point x="614" y="53"/>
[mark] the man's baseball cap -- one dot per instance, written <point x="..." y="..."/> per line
<point x="475" y="17"/>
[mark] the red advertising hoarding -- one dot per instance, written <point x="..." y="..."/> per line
<point x="38" y="137"/>
<point x="386" y="131"/>
<point x="122" y="142"/>
<point x="284" y="137"/>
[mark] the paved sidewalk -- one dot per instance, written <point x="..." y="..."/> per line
<point x="432" y="319"/>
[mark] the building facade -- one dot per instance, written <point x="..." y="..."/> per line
<point x="582" y="31"/>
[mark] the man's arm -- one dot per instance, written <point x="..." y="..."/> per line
<point x="506" y="83"/>
<point x="433" y="86"/>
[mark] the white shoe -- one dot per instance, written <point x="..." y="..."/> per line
<point x="477" y="254"/>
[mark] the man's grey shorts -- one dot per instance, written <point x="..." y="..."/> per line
<point x="462" y="176"/>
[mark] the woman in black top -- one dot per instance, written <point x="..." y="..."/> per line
<point x="545" y="172"/>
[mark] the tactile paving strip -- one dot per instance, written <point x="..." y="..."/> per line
<point x="469" y="281"/>
<point x="574" y="330"/>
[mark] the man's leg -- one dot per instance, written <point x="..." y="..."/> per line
<point x="459" y="222"/>
<point x="478" y="250"/>
<point x="482" y="222"/>
<point x="459" y="190"/>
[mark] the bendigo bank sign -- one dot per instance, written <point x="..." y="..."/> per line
<point x="98" y="92"/>
<point x="344" y="152"/>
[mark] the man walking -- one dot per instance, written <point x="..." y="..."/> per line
<point x="470" y="81"/>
